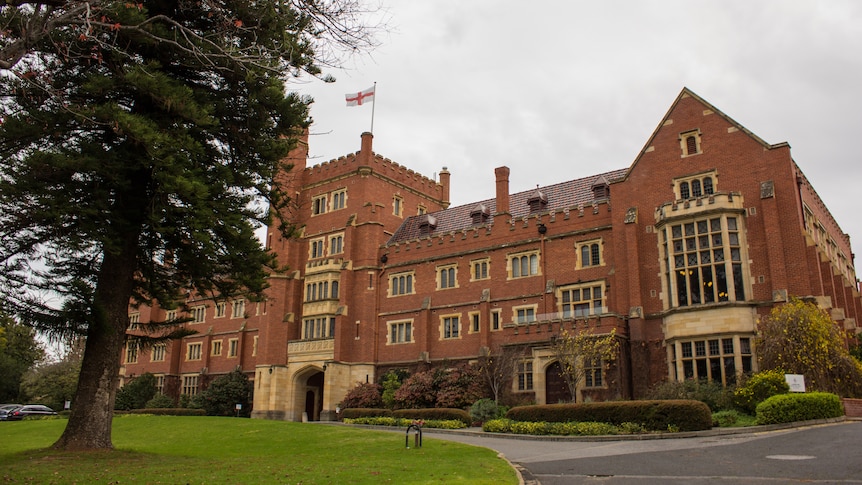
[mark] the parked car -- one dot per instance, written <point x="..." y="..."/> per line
<point x="7" y="408"/>
<point x="29" y="410"/>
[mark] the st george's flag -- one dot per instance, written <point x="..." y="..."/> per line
<point x="360" y="98"/>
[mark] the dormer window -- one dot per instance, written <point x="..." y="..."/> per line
<point x="480" y="214"/>
<point x="427" y="224"/>
<point x="538" y="201"/>
<point x="601" y="188"/>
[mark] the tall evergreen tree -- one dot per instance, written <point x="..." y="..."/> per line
<point x="136" y="138"/>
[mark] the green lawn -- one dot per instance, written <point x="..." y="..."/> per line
<point x="206" y="450"/>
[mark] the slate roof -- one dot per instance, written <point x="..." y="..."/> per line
<point x="560" y="196"/>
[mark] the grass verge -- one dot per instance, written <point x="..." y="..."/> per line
<point x="206" y="450"/>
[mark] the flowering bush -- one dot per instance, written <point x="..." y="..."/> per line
<point x="455" y="387"/>
<point x="364" y="395"/>
<point x="501" y="425"/>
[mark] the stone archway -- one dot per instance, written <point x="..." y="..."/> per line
<point x="556" y="389"/>
<point x="313" y="396"/>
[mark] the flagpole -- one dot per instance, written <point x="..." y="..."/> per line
<point x="373" y="102"/>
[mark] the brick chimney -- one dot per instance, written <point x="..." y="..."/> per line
<point x="365" y="152"/>
<point x="444" y="182"/>
<point x="502" y="174"/>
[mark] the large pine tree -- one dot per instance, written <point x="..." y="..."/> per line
<point x="137" y="140"/>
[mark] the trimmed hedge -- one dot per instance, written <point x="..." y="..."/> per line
<point x="168" y="411"/>
<point x="787" y="408"/>
<point x="675" y="415"/>
<point x="404" y="422"/>
<point x="353" y="413"/>
<point x="428" y="414"/>
<point x="442" y="414"/>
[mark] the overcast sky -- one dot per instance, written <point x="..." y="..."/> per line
<point x="562" y="90"/>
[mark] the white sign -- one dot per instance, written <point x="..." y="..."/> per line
<point x="238" y="406"/>
<point x="796" y="382"/>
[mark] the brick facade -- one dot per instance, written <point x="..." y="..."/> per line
<point x="679" y="254"/>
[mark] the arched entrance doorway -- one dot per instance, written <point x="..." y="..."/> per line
<point x="314" y="396"/>
<point x="556" y="389"/>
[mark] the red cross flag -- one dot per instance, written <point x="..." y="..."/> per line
<point x="360" y="98"/>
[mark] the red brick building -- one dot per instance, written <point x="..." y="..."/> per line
<point x="679" y="254"/>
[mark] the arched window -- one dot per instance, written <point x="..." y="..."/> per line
<point x="695" y="188"/>
<point x="691" y="145"/>
<point x="683" y="191"/>
<point x="334" y="290"/>
<point x="585" y="255"/>
<point x="707" y="186"/>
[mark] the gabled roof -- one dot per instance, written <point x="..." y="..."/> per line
<point x="685" y="93"/>
<point x="560" y="196"/>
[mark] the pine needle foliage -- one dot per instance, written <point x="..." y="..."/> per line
<point x="139" y="145"/>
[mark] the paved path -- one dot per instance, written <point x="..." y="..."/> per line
<point x="820" y="454"/>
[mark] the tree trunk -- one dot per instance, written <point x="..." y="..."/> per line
<point x="89" y="426"/>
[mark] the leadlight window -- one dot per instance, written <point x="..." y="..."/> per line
<point x="401" y="284"/>
<point x="495" y="319"/>
<point x="190" y="385"/>
<point x="451" y="327"/>
<point x="525" y="314"/>
<point x="525" y="376"/>
<point x="593" y="372"/>
<point x="582" y="301"/>
<point x="318" y="205"/>
<point x="480" y="269"/>
<point x="159" y="351"/>
<point x="693" y="187"/>
<point x="400" y="332"/>
<point x="705" y="261"/>
<point x="446" y="277"/>
<point x="719" y="359"/>
<point x="590" y="254"/>
<point x="525" y="265"/>
<point x="132" y="352"/>
<point x="238" y="309"/>
<point x="193" y="351"/>
<point x="339" y="197"/>
<point x="336" y="244"/>
<point x="316" y="248"/>
<point x="198" y="313"/>
<point x="233" y="347"/>
<point x="318" y="327"/>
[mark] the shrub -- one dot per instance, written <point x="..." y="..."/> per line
<point x="404" y="422"/>
<point x="136" y="393"/>
<point x="434" y="414"/>
<point x="758" y="388"/>
<point x="391" y="383"/>
<point x="170" y="411"/>
<point x="502" y="425"/>
<point x="364" y="395"/>
<point x="788" y="408"/>
<point x="160" y="401"/>
<point x="454" y="387"/>
<point x="687" y="415"/>
<point x="713" y="394"/>
<point x="225" y="392"/>
<point x="485" y="409"/>
<point x="353" y="413"/>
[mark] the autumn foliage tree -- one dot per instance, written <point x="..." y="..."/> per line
<point x="800" y="338"/>
<point x="573" y="349"/>
<point x="137" y="141"/>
